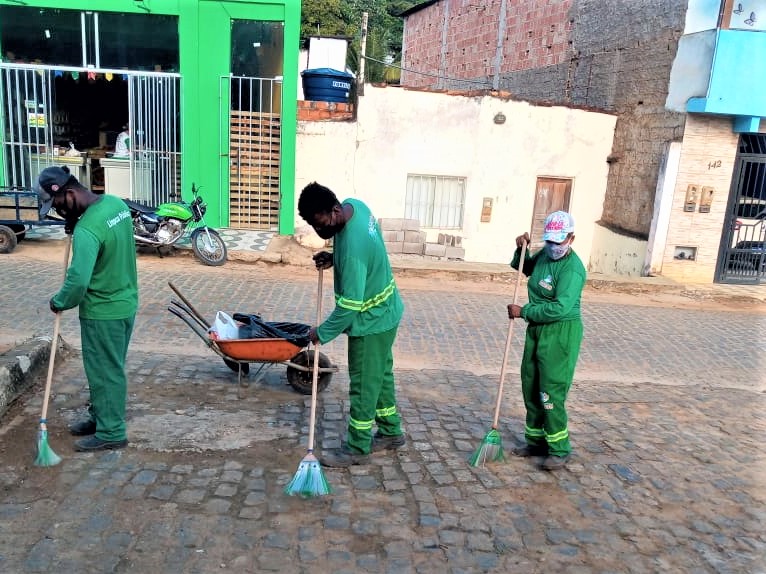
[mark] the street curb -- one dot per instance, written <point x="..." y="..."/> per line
<point x="19" y="366"/>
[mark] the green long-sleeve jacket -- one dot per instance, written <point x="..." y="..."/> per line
<point x="367" y="300"/>
<point x="554" y="287"/>
<point x="102" y="278"/>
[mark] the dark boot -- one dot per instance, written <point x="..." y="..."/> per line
<point x="387" y="442"/>
<point x="555" y="462"/>
<point x="343" y="458"/>
<point x="530" y="450"/>
<point x="83" y="428"/>
<point x="93" y="443"/>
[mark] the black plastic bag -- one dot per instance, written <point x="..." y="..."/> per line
<point x="256" y="328"/>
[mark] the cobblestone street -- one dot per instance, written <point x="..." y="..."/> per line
<point x="666" y="415"/>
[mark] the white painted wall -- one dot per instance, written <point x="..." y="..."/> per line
<point x="401" y="131"/>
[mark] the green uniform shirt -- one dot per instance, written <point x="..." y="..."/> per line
<point x="554" y="287"/>
<point x="102" y="278"/>
<point x="367" y="301"/>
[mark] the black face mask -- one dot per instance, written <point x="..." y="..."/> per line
<point x="328" y="231"/>
<point x="69" y="214"/>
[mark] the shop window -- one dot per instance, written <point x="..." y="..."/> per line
<point x="138" y="42"/>
<point x="89" y="39"/>
<point x="435" y="201"/>
<point x="41" y="35"/>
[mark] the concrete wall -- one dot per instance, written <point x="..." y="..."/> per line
<point x="616" y="254"/>
<point x="402" y="131"/>
<point x="706" y="141"/>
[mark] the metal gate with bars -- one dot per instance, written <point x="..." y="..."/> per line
<point x="28" y="110"/>
<point x="253" y="152"/>
<point x="742" y="257"/>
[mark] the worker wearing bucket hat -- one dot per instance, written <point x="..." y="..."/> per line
<point x="554" y="333"/>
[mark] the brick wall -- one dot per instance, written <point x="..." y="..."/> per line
<point x="309" y="111"/>
<point x="614" y="55"/>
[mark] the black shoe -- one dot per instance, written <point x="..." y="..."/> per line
<point x="83" y="428"/>
<point x="530" y="450"/>
<point x="387" y="442"/>
<point x="93" y="443"/>
<point x="343" y="458"/>
<point x="555" y="462"/>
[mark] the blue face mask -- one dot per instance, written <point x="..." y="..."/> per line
<point x="556" y="251"/>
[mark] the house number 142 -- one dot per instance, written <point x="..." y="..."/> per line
<point x="714" y="164"/>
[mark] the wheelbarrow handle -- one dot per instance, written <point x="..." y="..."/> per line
<point x="189" y="305"/>
<point x="194" y="326"/>
<point x="189" y="312"/>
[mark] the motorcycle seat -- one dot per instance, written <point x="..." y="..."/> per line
<point x="139" y="206"/>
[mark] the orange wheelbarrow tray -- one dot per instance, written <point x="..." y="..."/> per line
<point x="238" y="354"/>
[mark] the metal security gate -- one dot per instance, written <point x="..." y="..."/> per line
<point x="26" y="131"/>
<point x="155" y="134"/>
<point x="742" y="257"/>
<point x="253" y="151"/>
<point x="28" y="123"/>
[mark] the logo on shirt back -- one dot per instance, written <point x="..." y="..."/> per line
<point x="371" y="227"/>
<point x="117" y="218"/>
<point x="547" y="283"/>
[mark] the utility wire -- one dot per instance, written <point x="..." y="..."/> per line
<point x="478" y="82"/>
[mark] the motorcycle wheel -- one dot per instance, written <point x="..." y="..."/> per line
<point x="210" y="254"/>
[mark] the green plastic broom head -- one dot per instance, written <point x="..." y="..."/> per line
<point x="490" y="449"/>
<point x="309" y="480"/>
<point x="45" y="454"/>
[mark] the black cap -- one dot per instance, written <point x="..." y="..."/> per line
<point x="50" y="182"/>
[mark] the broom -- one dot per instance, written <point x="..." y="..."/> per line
<point x="45" y="454"/>
<point x="491" y="447"/>
<point x="309" y="480"/>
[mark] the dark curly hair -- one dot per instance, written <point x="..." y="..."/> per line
<point x="314" y="199"/>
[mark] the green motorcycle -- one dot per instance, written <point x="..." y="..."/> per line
<point x="167" y="223"/>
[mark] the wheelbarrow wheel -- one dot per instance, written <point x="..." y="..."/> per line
<point x="301" y="380"/>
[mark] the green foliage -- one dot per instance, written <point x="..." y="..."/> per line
<point x="344" y="18"/>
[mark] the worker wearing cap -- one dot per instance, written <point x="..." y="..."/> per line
<point x="102" y="281"/>
<point x="554" y="333"/>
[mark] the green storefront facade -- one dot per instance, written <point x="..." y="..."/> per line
<point x="206" y="90"/>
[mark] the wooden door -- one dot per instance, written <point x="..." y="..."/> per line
<point x="551" y="194"/>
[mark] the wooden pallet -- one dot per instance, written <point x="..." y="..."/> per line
<point x="254" y="175"/>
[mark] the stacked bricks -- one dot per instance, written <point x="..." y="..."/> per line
<point x="311" y="111"/>
<point x="403" y="236"/>
<point x="449" y="246"/>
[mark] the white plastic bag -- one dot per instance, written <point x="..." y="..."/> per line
<point x="225" y="327"/>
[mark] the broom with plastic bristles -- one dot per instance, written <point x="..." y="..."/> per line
<point x="45" y="454"/>
<point x="491" y="447"/>
<point x="309" y="480"/>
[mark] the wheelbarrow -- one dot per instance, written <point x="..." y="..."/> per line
<point x="239" y="354"/>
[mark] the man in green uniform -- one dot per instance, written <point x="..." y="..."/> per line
<point x="554" y="333"/>
<point x="101" y="281"/>
<point x="368" y="309"/>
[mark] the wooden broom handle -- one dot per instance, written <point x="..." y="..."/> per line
<point x="315" y="367"/>
<point x="508" y="338"/>
<point x="54" y="341"/>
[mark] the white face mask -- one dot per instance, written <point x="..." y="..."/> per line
<point x="555" y="250"/>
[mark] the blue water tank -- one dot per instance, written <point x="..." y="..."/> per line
<point x="326" y="85"/>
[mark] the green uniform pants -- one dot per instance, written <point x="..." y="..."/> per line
<point x="547" y="369"/>
<point x="104" y="348"/>
<point x="371" y="390"/>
